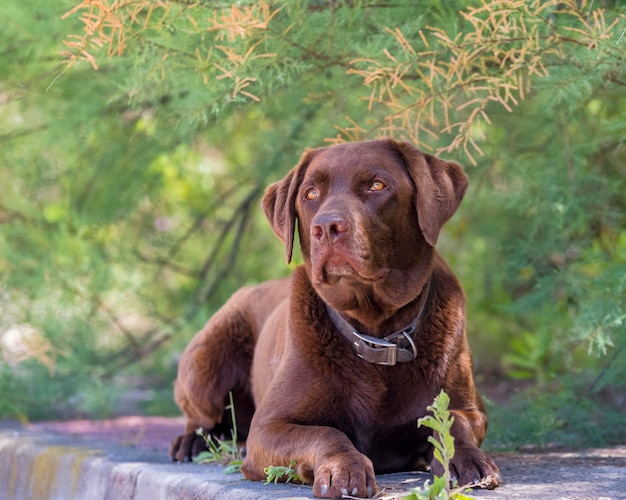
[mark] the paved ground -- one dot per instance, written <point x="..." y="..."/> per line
<point x="126" y="459"/>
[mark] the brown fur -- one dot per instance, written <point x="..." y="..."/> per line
<point x="368" y="252"/>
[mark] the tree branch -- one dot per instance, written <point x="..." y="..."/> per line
<point x="156" y="337"/>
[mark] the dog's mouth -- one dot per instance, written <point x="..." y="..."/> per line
<point x="338" y="267"/>
<point x="331" y="264"/>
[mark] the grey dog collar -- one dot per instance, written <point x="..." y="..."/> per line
<point x="399" y="347"/>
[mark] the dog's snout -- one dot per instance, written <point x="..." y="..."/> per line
<point x="328" y="226"/>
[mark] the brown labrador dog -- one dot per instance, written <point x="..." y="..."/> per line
<point x="332" y="367"/>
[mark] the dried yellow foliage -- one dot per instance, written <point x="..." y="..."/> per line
<point x="429" y="85"/>
<point x="446" y="85"/>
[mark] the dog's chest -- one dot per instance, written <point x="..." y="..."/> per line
<point x="381" y="408"/>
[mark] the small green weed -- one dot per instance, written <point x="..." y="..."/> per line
<point x="442" y="488"/>
<point x="222" y="452"/>
<point x="276" y="473"/>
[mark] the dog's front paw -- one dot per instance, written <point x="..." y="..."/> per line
<point x="187" y="446"/>
<point x="471" y="467"/>
<point x="345" y="474"/>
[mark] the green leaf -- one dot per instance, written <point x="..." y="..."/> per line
<point x="279" y="472"/>
<point x="233" y="467"/>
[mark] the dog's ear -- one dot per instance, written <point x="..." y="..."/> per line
<point x="279" y="202"/>
<point x="440" y="186"/>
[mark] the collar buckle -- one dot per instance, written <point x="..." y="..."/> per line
<point x="398" y="347"/>
<point x="375" y="350"/>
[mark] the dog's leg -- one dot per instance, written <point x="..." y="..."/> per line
<point x="283" y="433"/>
<point x="471" y="465"/>
<point x="216" y="361"/>
<point x="323" y="456"/>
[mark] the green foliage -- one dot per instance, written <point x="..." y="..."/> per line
<point x="437" y="490"/>
<point x="443" y="442"/>
<point x="222" y="452"/>
<point x="281" y="473"/>
<point x="571" y="411"/>
<point x="129" y="194"/>
<point x="442" y="487"/>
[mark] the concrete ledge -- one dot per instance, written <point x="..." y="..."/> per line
<point x="34" y="466"/>
<point x="54" y="461"/>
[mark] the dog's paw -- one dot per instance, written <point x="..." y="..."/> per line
<point x="346" y="474"/>
<point x="471" y="467"/>
<point x="187" y="446"/>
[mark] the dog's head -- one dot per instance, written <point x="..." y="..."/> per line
<point x="368" y="213"/>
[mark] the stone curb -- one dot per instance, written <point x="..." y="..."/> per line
<point x="48" y="465"/>
<point x="39" y="467"/>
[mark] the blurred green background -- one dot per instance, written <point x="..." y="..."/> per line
<point x="136" y="139"/>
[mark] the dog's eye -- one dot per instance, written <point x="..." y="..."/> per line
<point x="312" y="194"/>
<point x="377" y="185"/>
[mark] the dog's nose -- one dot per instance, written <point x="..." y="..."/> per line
<point x="328" y="226"/>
